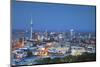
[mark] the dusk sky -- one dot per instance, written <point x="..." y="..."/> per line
<point x="53" y="17"/>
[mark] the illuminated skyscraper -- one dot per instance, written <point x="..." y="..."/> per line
<point x="46" y="33"/>
<point x="71" y="32"/>
<point x="89" y="36"/>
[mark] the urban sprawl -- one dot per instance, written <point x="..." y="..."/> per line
<point x="40" y="45"/>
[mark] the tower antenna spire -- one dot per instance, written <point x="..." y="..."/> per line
<point x="31" y="23"/>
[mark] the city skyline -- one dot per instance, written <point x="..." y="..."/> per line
<point x="48" y="33"/>
<point x="53" y="17"/>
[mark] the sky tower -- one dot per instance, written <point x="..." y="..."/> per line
<point x="31" y="29"/>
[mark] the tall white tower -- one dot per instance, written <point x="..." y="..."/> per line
<point x="71" y="32"/>
<point x="89" y="35"/>
<point x="31" y="29"/>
